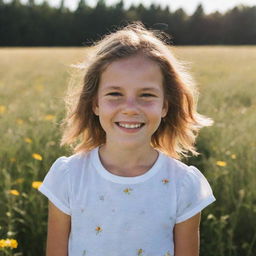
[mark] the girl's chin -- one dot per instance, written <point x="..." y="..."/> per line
<point x="129" y="145"/>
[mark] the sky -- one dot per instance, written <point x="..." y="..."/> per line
<point x="188" y="5"/>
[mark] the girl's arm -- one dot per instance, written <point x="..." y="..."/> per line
<point x="58" y="232"/>
<point x="186" y="237"/>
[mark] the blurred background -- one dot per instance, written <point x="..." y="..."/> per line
<point x="76" y="23"/>
<point x="39" y="42"/>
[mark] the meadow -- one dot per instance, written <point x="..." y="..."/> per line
<point x="33" y="82"/>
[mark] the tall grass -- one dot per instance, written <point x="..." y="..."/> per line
<point x="32" y="85"/>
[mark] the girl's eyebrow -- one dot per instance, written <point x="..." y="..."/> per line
<point x="112" y="88"/>
<point x="143" y="89"/>
<point x="150" y="89"/>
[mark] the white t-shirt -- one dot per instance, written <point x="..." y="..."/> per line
<point x="124" y="216"/>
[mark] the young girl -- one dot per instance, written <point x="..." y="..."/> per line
<point x="125" y="192"/>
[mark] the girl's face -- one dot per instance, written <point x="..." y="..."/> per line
<point x="130" y="101"/>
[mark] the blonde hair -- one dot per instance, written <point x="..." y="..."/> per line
<point x="176" y="133"/>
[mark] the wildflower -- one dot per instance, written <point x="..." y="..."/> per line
<point x="2" y="109"/>
<point x="14" y="192"/>
<point x="211" y="217"/>
<point x="224" y="218"/>
<point x="36" y="184"/>
<point x="37" y="157"/>
<point x="19" y="121"/>
<point x="49" y="117"/>
<point x="12" y="243"/>
<point x="39" y="87"/>
<point x="51" y="143"/>
<point x="221" y="163"/>
<point x="28" y="140"/>
<point x="241" y="193"/>
<point x="20" y="180"/>
<point x="13" y="160"/>
<point x="233" y="156"/>
<point x="2" y="243"/>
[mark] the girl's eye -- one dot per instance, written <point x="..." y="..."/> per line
<point x="114" y="94"/>
<point x="146" y="95"/>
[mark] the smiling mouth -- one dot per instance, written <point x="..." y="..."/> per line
<point x="130" y="126"/>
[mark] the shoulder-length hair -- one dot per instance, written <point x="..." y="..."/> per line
<point x="176" y="133"/>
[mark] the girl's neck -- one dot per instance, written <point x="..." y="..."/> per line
<point x="127" y="162"/>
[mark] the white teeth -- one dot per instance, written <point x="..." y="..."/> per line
<point x="130" y="126"/>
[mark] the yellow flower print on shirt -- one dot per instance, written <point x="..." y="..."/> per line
<point x="140" y="252"/>
<point x="167" y="254"/>
<point x="128" y="191"/>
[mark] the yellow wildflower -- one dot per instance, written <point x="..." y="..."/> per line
<point x="2" y="109"/>
<point x="49" y="117"/>
<point x="12" y="243"/>
<point x="20" y="180"/>
<point x="19" y="121"/>
<point x="36" y="184"/>
<point x="14" y="192"/>
<point x="127" y="190"/>
<point x="28" y="140"/>
<point x="13" y="159"/>
<point x="233" y="156"/>
<point x="221" y="163"/>
<point x="39" y="87"/>
<point x="37" y="157"/>
<point x="2" y="243"/>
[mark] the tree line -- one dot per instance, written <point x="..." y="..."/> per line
<point x="32" y="24"/>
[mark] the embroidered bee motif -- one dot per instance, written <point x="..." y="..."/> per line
<point x="101" y="198"/>
<point x="165" y="181"/>
<point x="98" y="229"/>
<point x="127" y="191"/>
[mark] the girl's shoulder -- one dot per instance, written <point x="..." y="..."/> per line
<point x="183" y="172"/>
<point x="72" y="162"/>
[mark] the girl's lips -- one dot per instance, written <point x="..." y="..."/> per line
<point x="130" y="124"/>
<point x="129" y="127"/>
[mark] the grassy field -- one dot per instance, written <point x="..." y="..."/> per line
<point x="32" y="85"/>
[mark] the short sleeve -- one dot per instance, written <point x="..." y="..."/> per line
<point x="194" y="194"/>
<point x="55" y="185"/>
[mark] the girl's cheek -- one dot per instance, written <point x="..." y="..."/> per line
<point x="109" y="105"/>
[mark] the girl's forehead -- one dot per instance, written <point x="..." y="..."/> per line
<point x="135" y="71"/>
<point x="138" y="64"/>
<point x="134" y="61"/>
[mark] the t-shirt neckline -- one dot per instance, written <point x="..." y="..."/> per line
<point x="121" y="179"/>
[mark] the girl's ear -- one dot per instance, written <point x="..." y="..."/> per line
<point x="95" y="106"/>
<point x="165" y="109"/>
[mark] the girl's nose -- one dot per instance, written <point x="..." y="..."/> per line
<point x="130" y="107"/>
